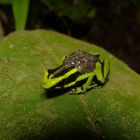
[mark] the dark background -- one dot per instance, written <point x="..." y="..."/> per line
<point x="115" y="25"/>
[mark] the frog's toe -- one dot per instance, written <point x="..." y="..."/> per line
<point x="77" y="90"/>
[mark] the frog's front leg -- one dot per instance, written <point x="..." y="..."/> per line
<point x="87" y="85"/>
<point x="88" y="82"/>
<point x="88" y="76"/>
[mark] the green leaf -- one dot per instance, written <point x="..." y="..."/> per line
<point x="1" y="32"/>
<point x="20" y="11"/>
<point x="6" y="1"/>
<point x="110" y="112"/>
<point x="75" y="11"/>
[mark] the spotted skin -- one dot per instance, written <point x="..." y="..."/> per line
<point x="82" y="60"/>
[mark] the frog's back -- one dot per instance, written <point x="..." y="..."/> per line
<point x="82" y="60"/>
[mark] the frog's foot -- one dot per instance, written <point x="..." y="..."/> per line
<point x="80" y="90"/>
<point x="77" y="90"/>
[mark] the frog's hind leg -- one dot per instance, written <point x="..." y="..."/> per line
<point x="104" y="65"/>
<point x="106" y="68"/>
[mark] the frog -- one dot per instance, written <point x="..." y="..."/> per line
<point x="79" y="72"/>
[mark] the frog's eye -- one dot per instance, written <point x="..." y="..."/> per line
<point x="52" y="71"/>
<point x="59" y="71"/>
<point x="97" y="55"/>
